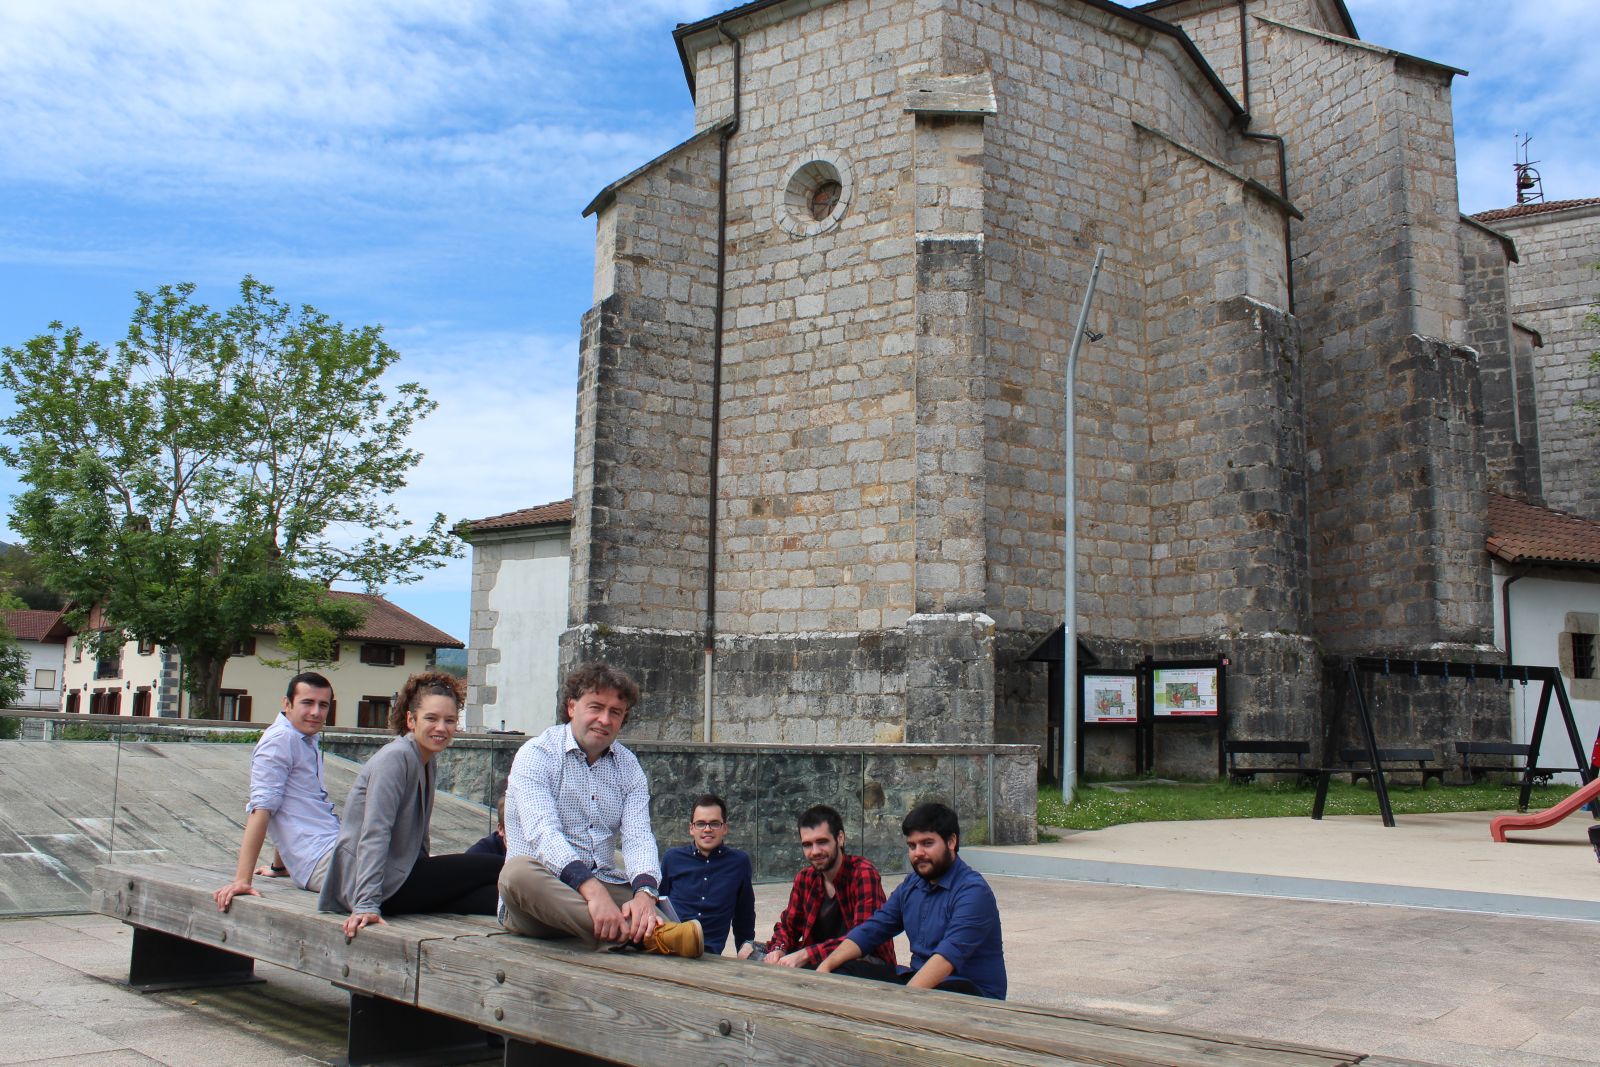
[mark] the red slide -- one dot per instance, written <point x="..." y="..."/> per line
<point x="1538" y="820"/>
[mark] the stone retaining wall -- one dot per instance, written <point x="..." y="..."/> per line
<point x="992" y="787"/>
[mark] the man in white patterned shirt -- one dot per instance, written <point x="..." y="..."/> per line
<point x="574" y="797"/>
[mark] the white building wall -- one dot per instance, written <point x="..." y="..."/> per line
<point x="1540" y="610"/>
<point x="519" y="610"/>
<point x="46" y="663"/>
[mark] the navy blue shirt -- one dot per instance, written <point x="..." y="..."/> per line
<point x="955" y="917"/>
<point x="492" y="845"/>
<point x="715" y="889"/>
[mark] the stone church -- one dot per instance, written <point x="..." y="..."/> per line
<point x="819" y="479"/>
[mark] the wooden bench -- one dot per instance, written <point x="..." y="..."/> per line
<point x="432" y="988"/>
<point x="1357" y="765"/>
<point x="1506" y="752"/>
<point x="1243" y="775"/>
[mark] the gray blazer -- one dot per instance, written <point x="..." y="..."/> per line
<point x="384" y="830"/>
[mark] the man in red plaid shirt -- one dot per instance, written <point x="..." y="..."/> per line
<point x="834" y="893"/>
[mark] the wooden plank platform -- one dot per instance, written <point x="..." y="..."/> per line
<point x="642" y="1009"/>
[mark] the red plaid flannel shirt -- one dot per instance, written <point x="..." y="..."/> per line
<point x="860" y="893"/>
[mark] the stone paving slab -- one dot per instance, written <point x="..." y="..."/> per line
<point x="1426" y="861"/>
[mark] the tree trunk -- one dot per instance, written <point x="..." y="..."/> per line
<point x="204" y="682"/>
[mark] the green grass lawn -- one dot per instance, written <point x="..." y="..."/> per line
<point x="1098" y="805"/>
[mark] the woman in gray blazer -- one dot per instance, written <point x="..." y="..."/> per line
<point x="381" y="864"/>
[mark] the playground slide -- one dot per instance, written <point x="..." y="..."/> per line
<point x="1538" y="820"/>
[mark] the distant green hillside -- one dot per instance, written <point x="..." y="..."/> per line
<point x="452" y="661"/>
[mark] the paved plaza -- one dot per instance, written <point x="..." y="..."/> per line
<point x="1476" y="975"/>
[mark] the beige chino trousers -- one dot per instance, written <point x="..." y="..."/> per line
<point x="538" y="904"/>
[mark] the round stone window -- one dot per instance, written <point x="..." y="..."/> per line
<point x="815" y="196"/>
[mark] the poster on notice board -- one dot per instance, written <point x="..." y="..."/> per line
<point x="1184" y="692"/>
<point x="1110" y="698"/>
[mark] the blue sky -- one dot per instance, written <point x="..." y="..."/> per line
<point x="422" y="164"/>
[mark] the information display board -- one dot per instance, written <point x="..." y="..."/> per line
<point x="1110" y="697"/>
<point x="1184" y="692"/>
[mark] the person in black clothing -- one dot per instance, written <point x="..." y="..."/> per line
<point x="493" y="843"/>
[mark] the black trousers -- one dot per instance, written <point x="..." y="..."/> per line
<point x="878" y="971"/>
<point x="459" y="884"/>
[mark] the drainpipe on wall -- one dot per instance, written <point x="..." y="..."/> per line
<point x="716" y="380"/>
<point x="1505" y="610"/>
<point x="1283" y="154"/>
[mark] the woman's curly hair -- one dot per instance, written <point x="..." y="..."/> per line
<point x="424" y="684"/>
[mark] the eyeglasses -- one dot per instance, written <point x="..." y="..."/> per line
<point x="714" y="825"/>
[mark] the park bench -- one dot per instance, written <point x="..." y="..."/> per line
<point x="1245" y="774"/>
<point x="1358" y="766"/>
<point x="432" y="988"/>
<point x="1506" y="751"/>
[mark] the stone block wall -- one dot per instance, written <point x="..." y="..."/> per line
<point x="811" y="688"/>
<point x="1554" y="286"/>
<point x="1399" y="561"/>
<point x="1228" y="475"/>
<point x="991" y="788"/>
<point x="641" y="476"/>
<point x="1525" y="343"/>
<point x="1063" y="176"/>
<point x="891" y="456"/>
<point x="1213" y="25"/>
<point x="1412" y="712"/>
<point x="1512" y="468"/>
<point x="1430" y="211"/>
<point x="818" y="483"/>
<point x="1393" y="433"/>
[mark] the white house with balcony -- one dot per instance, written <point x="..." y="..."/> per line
<point x="43" y="636"/>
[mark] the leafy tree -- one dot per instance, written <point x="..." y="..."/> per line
<point x="13" y="669"/>
<point x="23" y="577"/>
<point x="210" y="475"/>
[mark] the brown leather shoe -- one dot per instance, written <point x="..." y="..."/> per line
<point x="677" y="939"/>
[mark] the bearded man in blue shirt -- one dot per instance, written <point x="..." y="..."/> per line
<point x="946" y="910"/>
<point x="709" y="881"/>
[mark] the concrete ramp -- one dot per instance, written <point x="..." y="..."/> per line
<point x="67" y="806"/>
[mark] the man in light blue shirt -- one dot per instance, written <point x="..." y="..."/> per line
<point x="287" y="796"/>
<point x="947" y="911"/>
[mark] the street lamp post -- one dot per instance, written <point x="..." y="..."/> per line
<point x="1069" y="555"/>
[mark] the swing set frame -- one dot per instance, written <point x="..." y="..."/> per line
<point x="1466" y="671"/>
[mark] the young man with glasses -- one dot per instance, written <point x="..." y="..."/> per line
<point x="709" y="881"/>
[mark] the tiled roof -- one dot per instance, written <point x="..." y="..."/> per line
<point x="1520" y="532"/>
<point x="543" y="515"/>
<point x="30" y="625"/>
<point x="387" y="622"/>
<point x="1522" y="210"/>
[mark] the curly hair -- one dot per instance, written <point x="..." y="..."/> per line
<point x="424" y="684"/>
<point x="596" y="677"/>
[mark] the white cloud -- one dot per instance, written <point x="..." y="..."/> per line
<point x="381" y="99"/>
<point x="502" y="437"/>
<point x="1531" y="70"/>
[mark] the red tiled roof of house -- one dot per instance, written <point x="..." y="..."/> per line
<point x="1520" y="532"/>
<point x="388" y="622"/>
<point x="543" y="515"/>
<point x="33" y="625"/>
<point x="1521" y="210"/>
